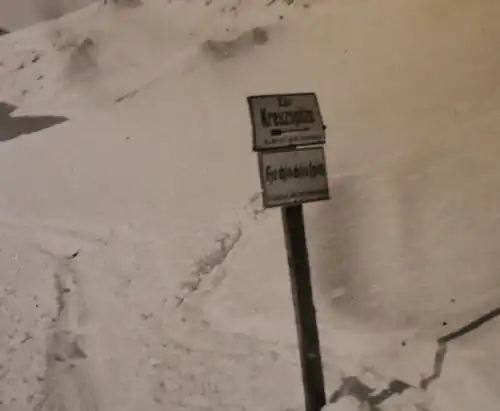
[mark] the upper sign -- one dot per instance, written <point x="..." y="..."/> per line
<point x="285" y="120"/>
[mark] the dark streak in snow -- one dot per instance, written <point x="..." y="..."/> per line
<point x="473" y="325"/>
<point x="438" y="367"/>
<point x="442" y="341"/>
<point x="354" y="387"/>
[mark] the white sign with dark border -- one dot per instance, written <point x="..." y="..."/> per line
<point x="285" y="120"/>
<point x="293" y="176"/>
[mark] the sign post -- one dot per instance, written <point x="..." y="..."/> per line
<point x="305" y="313"/>
<point x="290" y="175"/>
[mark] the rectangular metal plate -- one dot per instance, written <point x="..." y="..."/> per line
<point x="285" y="120"/>
<point x="293" y="176"/>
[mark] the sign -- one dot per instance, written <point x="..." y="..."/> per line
<point x="285" y="120"/>
<point x="293" y="176"/>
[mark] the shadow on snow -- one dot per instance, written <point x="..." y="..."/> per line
<point x="12" y="127"/>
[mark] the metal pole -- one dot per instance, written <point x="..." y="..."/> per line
<point x="305" y="313"/>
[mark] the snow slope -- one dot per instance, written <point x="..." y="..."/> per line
<point x="138" y="270"/>
<point x="18" y="14"/>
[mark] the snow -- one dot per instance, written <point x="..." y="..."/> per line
<point x="137" y="267"/>
<point x="28" y="12"/>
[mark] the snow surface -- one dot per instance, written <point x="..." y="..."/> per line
<point x="17" y="14"/>
<point x="138" y="270"/>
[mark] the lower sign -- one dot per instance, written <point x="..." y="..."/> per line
<point x="293" y="176"/>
